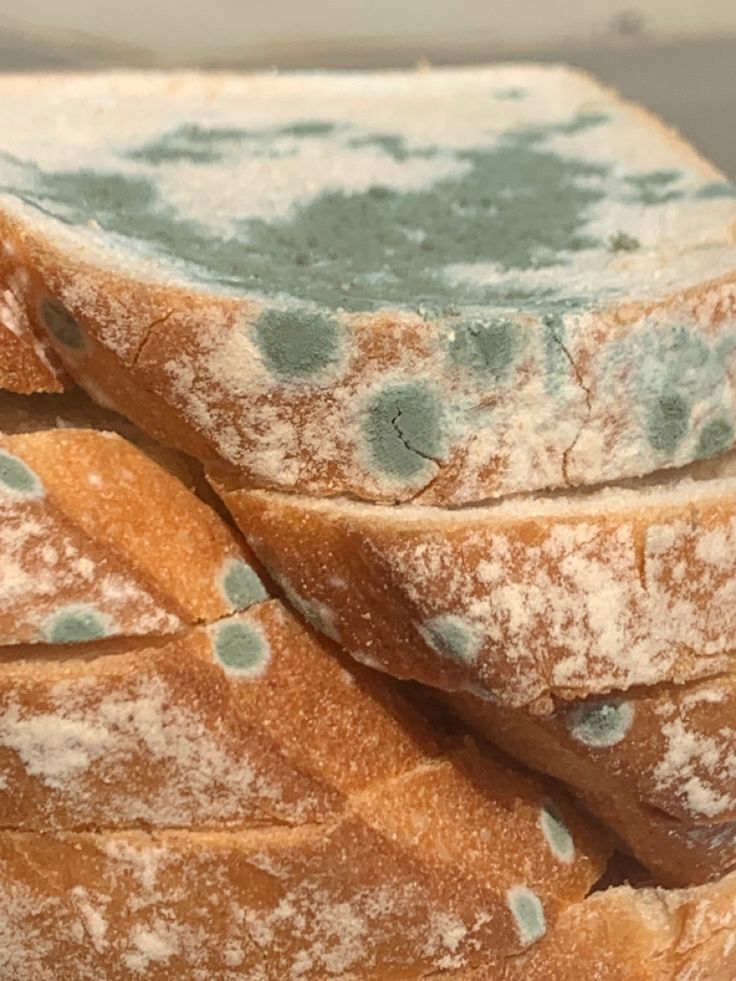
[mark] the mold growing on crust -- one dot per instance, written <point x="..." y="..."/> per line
<point x="295" y="344"/>
<point x="600" y="724"/>
<point x="528" y="913"/>
<point x="452" y="636"/>
<point x="241" y="649"/>
<point x="404" y="429"/>
<point x="241" y="585"/>
<point x="76" y="624"/>
<point x="16" y="476"/>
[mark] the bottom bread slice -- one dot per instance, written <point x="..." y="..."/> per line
<point x="311" y="903"/>
<point x="331" y="834"/>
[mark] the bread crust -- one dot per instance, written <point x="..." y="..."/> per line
<point x="582" y="392"/>
<point x="679" y="849"/>
<point x="97" y="526"/>
<point x="526" y="601"/>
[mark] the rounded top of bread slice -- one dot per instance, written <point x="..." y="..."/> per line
<point x="400" y="285"/>
<point x="460" y="188"/>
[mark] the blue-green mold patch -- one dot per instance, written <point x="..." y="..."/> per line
<point x="528" y="912"/>
<point x="452" y="636"/>
<point x="600" y="723"/>
<point x="199" y="144"/>
<point x="404" y="428"/>
<point x="487" y="347"/>
<point x="296" y="344"/>
<point x="16" y="476"/>
<point x="242" y="649"/>
<point x="556" y="833"/>
<point x="317" y="614"/>
<point x="715" y="437"/>
<point x="241" y="585"/>
<point x="677" y="368"/>
<point x="77" y="624"/>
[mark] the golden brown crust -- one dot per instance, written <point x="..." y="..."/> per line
<point x="679" y="853"/>
<point x="96" y="526"/>
<point x="345" y="815"/>
<point x="26" y="364"/>
<point x="564" y="596"/>
<point x="639" y="935"/>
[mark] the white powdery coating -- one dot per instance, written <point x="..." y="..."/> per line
<point x="86" y="739"/>
<point x="37" y="578"/>
<point x="154" y="944"/>
<point x="577" y="594"/>
<point x="53" y="748"/>
<point x="95" y="922"/>
<point x="696" y="768"/>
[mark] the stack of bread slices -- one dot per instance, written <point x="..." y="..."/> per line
<point x="367" y="531"/>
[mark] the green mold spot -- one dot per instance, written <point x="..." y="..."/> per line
<point x="717" y="189"/>
<point x="404" y="429"/>
<point x="654" y="187"/>
<point x="621" y="242"/>
<point x="17" y="476"/>
<point x="715" y="437"/>
<point x="558" y="368"/>
<point x="242" y="649"/>
<point x="452" y="636"/>
<point x="76" y="624"/>
<point x="677" y="368"/>
<point x="528" y="913"/>
<point x="556" y="833"/>
<point x="581" y="123"/>
<point x="394" y="146"/>
<point x="600" y="724"/>
<point x="62" y="325"/>
<point x="487" y="348"/>
<point x="297" y="344"/>
<point x="194" y="143"/>
<point x="668" y="422"/>
<point x="242" y="586"/>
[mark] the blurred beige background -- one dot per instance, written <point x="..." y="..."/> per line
<point x="197" y="25"/>
<point x="677" y="56"/>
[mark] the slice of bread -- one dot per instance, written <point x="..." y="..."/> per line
<point x="526" y="600"/>
<point x="597" y="747"/>
<point x="224" y="905"/>
<point x="442" y="285"/>
<point x="639" y="935"/>
<point x="96" y="539"/>
<point x="278" y="808"/>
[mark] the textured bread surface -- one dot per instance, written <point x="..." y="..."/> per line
<point x="567" y="595"/>
<point x="597" y="747"/>
<point x="186" y="904"/>
<point x="440" y="285"/>
<point x="98" y="540"/>
<point x="220" y="789"/>
<point x="26" y="363"/>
